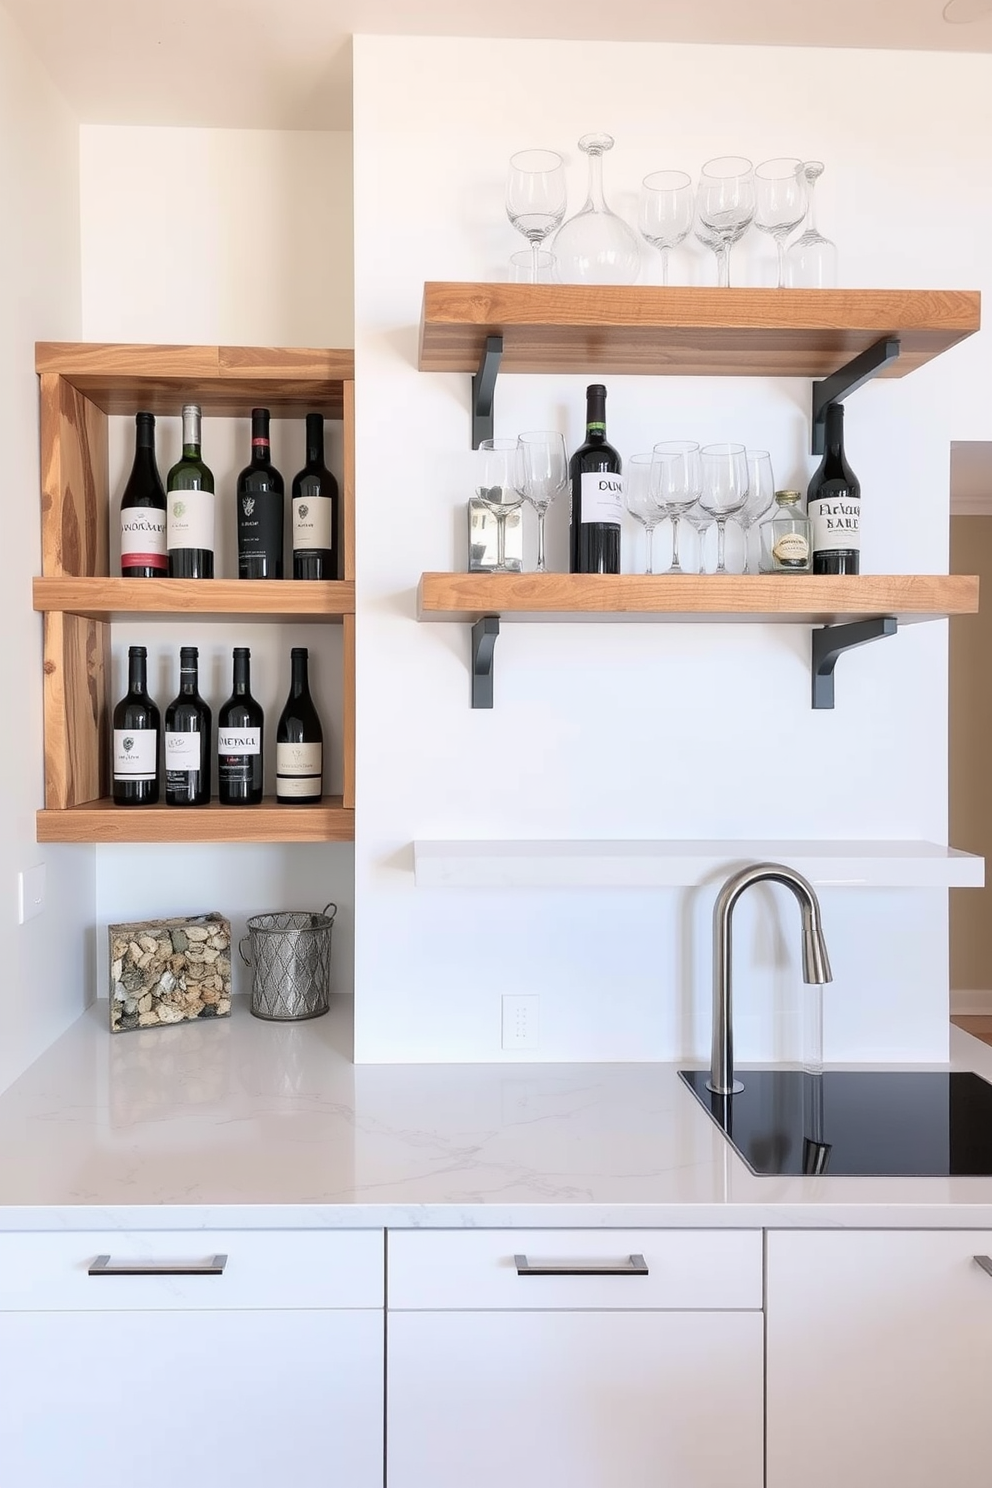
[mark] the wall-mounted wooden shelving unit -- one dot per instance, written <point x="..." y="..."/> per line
<point x="81" y="385"/>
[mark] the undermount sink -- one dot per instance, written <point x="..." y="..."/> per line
<point x="877" y="1123"/>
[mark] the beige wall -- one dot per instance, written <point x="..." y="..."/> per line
<point x="971" y="756"/>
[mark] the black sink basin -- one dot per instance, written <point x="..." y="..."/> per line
<point x="878" y="1123"/>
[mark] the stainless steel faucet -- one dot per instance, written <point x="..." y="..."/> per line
<point x="816" y="965"/>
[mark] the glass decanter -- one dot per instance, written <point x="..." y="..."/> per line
<point x="811" y="261"/>
<point x="786" y="536"/>
<point x="596" y="246"/>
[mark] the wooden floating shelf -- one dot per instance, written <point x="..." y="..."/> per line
<point x="687" y="331"/>
<point x="807" y="599"/>
<point x="245" y="600"/>
<point x="224" y="380"/>
<point x="102" y="821"/>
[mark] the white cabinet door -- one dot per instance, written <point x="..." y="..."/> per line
<point x="237" y="1399"/>
<point x="879" y="1359"/>
<point x="574" y="1400"/>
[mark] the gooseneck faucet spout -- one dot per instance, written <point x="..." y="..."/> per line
<point x="816" y="963"/>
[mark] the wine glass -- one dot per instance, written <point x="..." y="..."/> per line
<point x="542" y="470"/>
<point x="700" y="520"/>
<point x="677" y="482"/>
<point x="760" y="495"/>
<point x="780" y="202"/>
<point x="640" y="499"/>
<point x="535" y="198"/>
<point x="497" y="485"/>
<point x="725" y="207"/>
<point x="811" y="261"/>
<point x="665" y="212"/>
<point x="724" y="489"/>
<point x="522" y="266"/>
<point x="596" y="246"/>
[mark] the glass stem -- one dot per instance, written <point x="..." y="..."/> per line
<point x="676" y="565"/>
<point x="535" y="248"/>
<point x="780" y="245"/>
<point x="501" y="542"/>
<point x="540" y="540"/>
<point x="723" y="266"/>
<point x="664" y="266"/>
<point x="747" y="556"/>
<point x="721" y="545"/>
<point x="649" y="541"/>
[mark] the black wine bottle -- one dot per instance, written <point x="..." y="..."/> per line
<point x="596" y="494"/>
<point x="260" y="507"/>
<point x="833" y="503"/>
<point x="137" y="737"/>
<point x="187" y="739"/>
<point x="315" y="511"/>
<point x="240" y="725"/>
<point x="190" y="512"/>
<point x="299" y="741"/>
<point x="143" y="548"/>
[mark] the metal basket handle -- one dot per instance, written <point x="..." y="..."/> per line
<point x="332" y="907"/>
<point x="241" y="949"/>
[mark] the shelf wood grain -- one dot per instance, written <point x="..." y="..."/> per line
<point x="807" y="599"/>
<point x="245" y="600"/>
<point x="102" y="821"/>
<point x="687" y="331"/>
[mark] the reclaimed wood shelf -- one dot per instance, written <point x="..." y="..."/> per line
<point x="687" y="331"/>
<point x="102" y="821"/>
<point x="288" y="600"/>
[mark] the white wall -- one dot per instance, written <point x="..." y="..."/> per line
<point x="648" y="731"/>
<point x="48" y="962"/>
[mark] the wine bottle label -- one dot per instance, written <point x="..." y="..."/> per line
<point x="298" y="769"/>
<point x="135" y="754"/>
<point x="182" y="751"/>
<point x="836" y="523"/>
<point x="190" y="520"/>
<point x="239" y="741"/>
<point x="143" y="538"/>
<point x="791" y="548"/>
<point x="312" y="521"/>
<point x="602" y="496"/>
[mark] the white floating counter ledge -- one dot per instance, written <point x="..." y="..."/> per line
<point x="687" y="864"/>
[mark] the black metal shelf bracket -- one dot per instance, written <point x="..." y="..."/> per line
<point x="484" y="633"/>
<point x="836" y="387"/>
<point x="831" y="641"/>
<point x="483" y="389"/>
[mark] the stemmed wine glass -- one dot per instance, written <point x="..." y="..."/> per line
<point x="535" y="197"/>
<point x="641" y="500"/>
<point x="780" y="202"/>
<point x="700" y="520"/>
<point x="760" y="496"/>
<point x="677" y="482"/>
<point x="811" y="262"/>
<point x="542" y="471"/>
<point x="724" y="489"/>
<point x="665" y="212"/>
<point x="497" y="485"/>
<point x="725" y="207"/>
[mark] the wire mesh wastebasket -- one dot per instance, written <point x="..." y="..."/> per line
<point x="290" y="958"/>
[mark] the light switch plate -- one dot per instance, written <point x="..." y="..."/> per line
<point x="30" y="893"/>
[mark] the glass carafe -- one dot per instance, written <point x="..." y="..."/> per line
<point x="596" y="246"/>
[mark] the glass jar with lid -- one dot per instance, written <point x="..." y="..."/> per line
<point x="786" y="536"/>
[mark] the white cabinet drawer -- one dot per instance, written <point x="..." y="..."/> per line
<point x="264" y="1268"/>
<point x="685" y="1269"/>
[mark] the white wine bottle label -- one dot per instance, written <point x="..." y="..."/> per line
<point x="190" y="522"/>
<point x="298" y="769"/>
<point x="602" y="496"/>
<point x="135" y="754"/>
<point x="312" y="522"/>
<point x="182" y="751"/>
<point x="836" y="524"/>
<point x="791" y="547"/>
<point x="239" y="741"/>
<point x="143" y="538"/>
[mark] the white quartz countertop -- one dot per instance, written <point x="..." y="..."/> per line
<point x="241" y="1123"/>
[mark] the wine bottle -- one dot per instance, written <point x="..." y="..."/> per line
<point x="190" y="512"/>
<point x="137" y="737"/>
<point x="299" y="741"/>
<point x="596" y="494"/>
<point x="240" y="724"/>
<point x="833" y="503"/>
<point x="187" y="739"/>
<point x="315" y="511"/>
<point x="143" y="549"/>
<point x="260" y="507"/>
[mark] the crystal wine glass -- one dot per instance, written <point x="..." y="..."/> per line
<point x="760" y="495"/>
<point x="811" y="261"/>
<point x="724" y="489"/>
<point x="535" y="197"/>
<point x="665" y="212"/>
<point x="542" y="470"/>
<point x="640" y="499"/>
<point x="596" y="246"/>
<point x="700" y="520"/>
<point x="780" y="202"/>
<point x="497" y="485"/>
<point x="725" y="207"/>
<point x="677" y="483"/>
